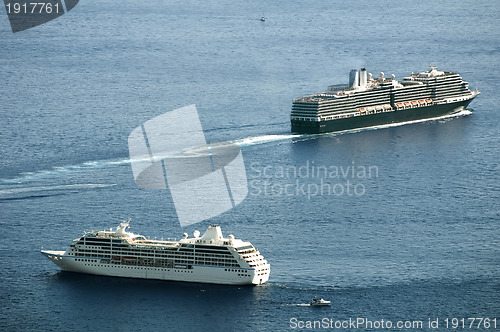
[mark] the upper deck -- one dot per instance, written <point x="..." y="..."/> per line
<point x="363" y="83"/>
<point x="120" y="237"/>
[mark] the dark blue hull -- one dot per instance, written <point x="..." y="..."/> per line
<point x="377" y="119"/>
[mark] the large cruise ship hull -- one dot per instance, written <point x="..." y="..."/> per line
<point x="377" y="119"/>
<point x="195" y="273"/>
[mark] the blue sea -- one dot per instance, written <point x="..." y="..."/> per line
<point x="404" y="226"/>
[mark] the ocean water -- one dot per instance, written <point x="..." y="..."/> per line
<point x="403" y="226"/>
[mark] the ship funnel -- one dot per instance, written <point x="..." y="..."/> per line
<point x="363" y="76"/>
<point x="213" y="233"/>
<point x="354" y="79"/>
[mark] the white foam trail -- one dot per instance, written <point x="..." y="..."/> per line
<point x="243" y="142"/>
<point x="13" y="191"/>
<point x="397" y="124"/>
<point x="248" y="141"/>
<point x="27" y="176"/>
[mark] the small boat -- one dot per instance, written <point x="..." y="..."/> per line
<point x="319" y="302"/>
<point x="263" y="19"/>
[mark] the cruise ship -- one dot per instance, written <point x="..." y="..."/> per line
<point x="369" y="101"/>
<point x="210" y="258"/>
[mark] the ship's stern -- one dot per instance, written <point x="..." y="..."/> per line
<point x="261" y="274"/>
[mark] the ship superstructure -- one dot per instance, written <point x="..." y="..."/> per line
<point x="210" y="258"/>
<point x="369" y="101"/>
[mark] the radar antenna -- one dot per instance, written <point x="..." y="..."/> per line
<point x="125" y="224"/>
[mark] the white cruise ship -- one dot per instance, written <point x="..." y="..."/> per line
<point x="210" y="258"/>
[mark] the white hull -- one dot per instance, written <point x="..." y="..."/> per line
<point x="197" y="273"/>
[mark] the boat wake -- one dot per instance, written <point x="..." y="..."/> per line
<point x="242" y="142"/>
<point x="61" y="170"/>
<point x="57" y="171"/>
<point x="264" y="139"/>
<point x="17" y="193"/>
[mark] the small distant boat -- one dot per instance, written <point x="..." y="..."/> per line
<point x="319" y="302"/>
<point x="263" y="19"/>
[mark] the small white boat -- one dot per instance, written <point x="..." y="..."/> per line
<point x="319" y="302"/>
